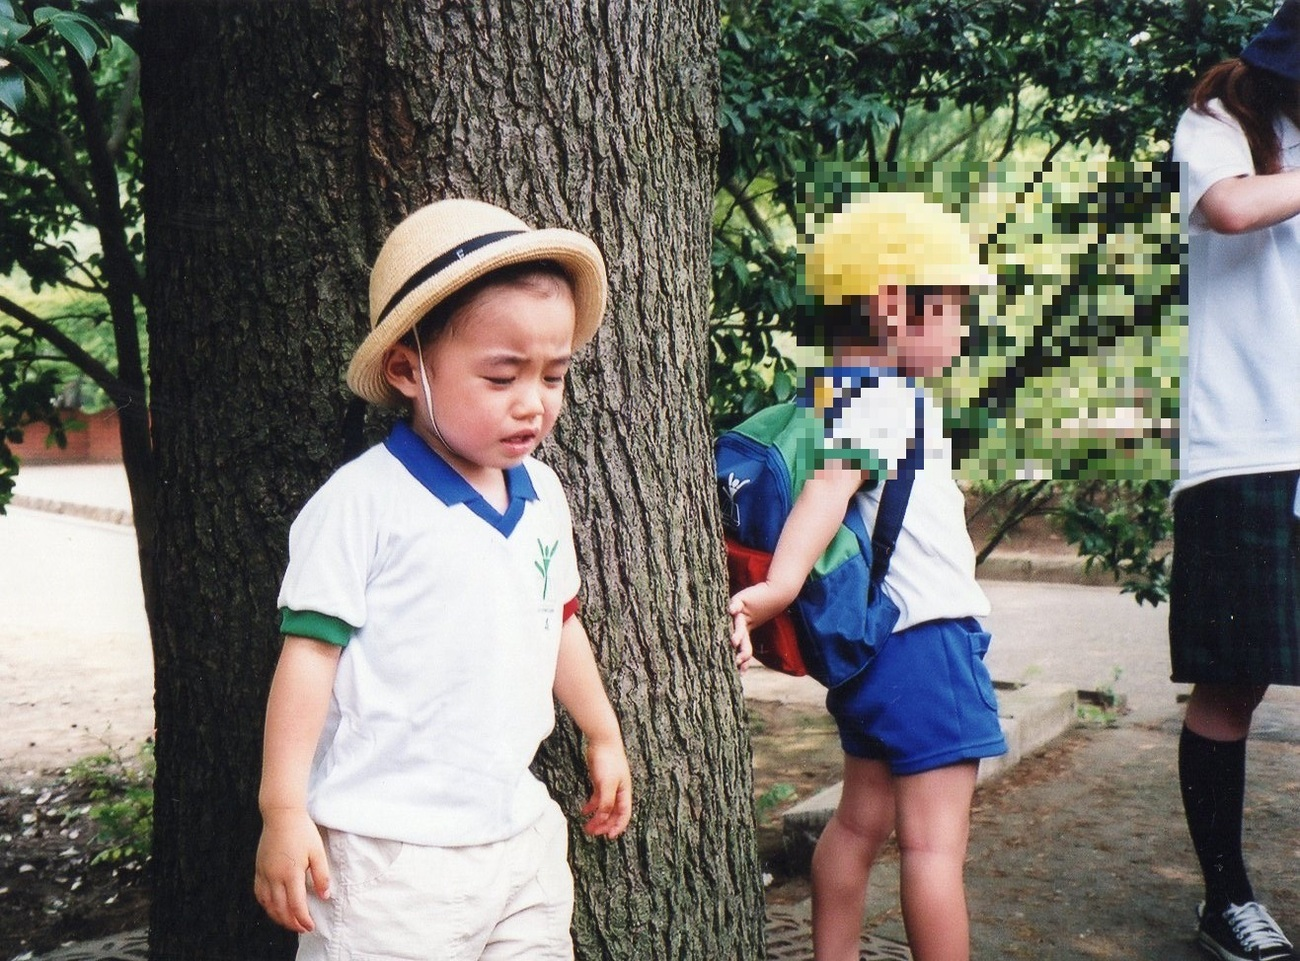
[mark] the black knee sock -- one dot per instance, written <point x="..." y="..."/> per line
<point x="1212" y="775"/>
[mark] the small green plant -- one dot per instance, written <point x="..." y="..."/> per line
<point x="1103" y="706"/>
<point x="121" y="801"/>
<point x="773" y="798"/>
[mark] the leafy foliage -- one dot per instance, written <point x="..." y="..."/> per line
<point x="121" y="802"/>
<point x="1126" y="528"/>
<point x="1045" y="103"/>
<point x="773" y="798"/>
<point x="24" y="400"/>
<point x="812" y="88"/>
<point x="29" y="71"/>
<point x="70" y="223"/>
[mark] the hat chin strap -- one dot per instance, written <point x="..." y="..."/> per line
<point x="428" y="395"/>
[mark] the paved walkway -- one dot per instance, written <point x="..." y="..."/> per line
<point x="1079" y="853"/>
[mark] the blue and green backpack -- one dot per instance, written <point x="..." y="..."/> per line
<point x="841" y="615"/>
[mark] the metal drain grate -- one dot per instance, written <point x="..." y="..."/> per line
<point x="132" y="946"/>
<point x="789" y="938"/>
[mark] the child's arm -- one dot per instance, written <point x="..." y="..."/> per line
<point x="1237" y="205"/>
<point x="291" y="844"/>
<point x="817" y="514"/>
<point x="579" y="689"/>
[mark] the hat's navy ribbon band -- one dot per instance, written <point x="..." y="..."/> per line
<point x="439" y="264"/>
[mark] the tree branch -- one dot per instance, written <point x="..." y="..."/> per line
<point x="122" y="274"/>
<point x="118" y="391"/>
<point x="746" y="205"/>
<point x="124" y="114"/>
<point x="1013" y="127"/>
<point x="73" y="189"/>
<point x="958" y="140"/>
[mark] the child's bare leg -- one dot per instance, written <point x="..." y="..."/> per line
<point x="842" y="861"/>
<point x="933" y="830"/>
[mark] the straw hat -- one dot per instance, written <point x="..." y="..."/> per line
<point x="439" y="249"/>
<point x="892" y="238"/>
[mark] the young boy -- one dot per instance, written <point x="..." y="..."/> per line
<point x="893" y="272"/>
<point x="429" y="619"/>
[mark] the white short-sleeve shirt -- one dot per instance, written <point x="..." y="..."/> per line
<point x="1240" y="408"/>
<point x="932" y="573"/>
<point x="444" y="691"/>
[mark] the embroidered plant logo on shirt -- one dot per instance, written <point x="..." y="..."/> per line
<point x="544" y="564"/>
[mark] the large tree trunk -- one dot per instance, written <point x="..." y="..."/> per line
<point x="283" y="140"/>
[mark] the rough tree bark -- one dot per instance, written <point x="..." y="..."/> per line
<point x="283" y="140"/>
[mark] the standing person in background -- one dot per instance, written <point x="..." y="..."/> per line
<point x="1234" y="622"/>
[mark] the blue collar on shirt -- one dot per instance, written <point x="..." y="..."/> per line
<point x="441" y="480"/>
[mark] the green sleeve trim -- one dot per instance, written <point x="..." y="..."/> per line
<point x="319" y="627"/>
<point x="861" y="458"/>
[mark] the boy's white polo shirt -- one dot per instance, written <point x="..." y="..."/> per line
<point x="932" y="573"/>
<point x="1241" y="379"/>
<point x="444" y="689"/>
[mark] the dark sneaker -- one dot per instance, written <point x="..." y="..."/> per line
<point x="1244" y="932"/>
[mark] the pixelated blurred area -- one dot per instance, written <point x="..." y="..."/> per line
<point x="1071" y="368"/>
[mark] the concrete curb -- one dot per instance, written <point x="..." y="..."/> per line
<point x="1043" y="569"/>
<point x="1032" y="716"/>
<point x="102" y="515"/>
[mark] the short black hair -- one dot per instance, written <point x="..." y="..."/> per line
<point x="825" y="325"/>
<point x="434" y="323"/>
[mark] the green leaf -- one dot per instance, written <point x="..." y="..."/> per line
<point x="81" y="33"/>
<point x="37" y="70"/>
<point x="13" y="89"/>
<point x="11" y="31"/>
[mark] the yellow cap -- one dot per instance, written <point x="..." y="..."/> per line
<point x="892" y="238"/>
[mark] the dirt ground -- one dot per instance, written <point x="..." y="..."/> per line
<point x="1077" y="853"/>
<point x="74" y="642"/>
<point x="50" y="891"/>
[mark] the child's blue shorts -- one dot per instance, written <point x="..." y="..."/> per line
<point x="925" y="702"/>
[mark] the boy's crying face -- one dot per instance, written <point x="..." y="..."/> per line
<point x="926" y="326"/>
<point x="495" y="377"/>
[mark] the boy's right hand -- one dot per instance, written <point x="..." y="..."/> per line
<point x="290" y="849"/>
<point x="750" y="609"/>
<point x="741" y="642"/>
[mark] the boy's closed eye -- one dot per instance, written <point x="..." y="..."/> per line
<point x="555" y="372"/>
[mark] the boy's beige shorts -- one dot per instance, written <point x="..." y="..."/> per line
<point x="391" y="901"/>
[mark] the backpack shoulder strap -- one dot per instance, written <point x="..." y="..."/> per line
<point x="893" y="501"/>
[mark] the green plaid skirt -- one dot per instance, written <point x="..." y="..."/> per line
<point x="1234" y="607"/>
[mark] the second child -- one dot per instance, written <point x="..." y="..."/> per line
<point x="893" y="273"/>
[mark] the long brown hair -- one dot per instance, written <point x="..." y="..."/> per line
<point x="1255" y="98"/>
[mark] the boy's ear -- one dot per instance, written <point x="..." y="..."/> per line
<point x="889" y="309"/>
<point x="400" y="370"/>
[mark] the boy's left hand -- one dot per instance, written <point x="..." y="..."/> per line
<point x="609" y="809"/>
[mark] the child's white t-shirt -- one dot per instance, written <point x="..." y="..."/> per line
<point x="932" y="573"/>
<point x="1240" y="411"/>
<point x="444" y="690"/>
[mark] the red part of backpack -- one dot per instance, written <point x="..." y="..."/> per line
<point x="776" y="643"/>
